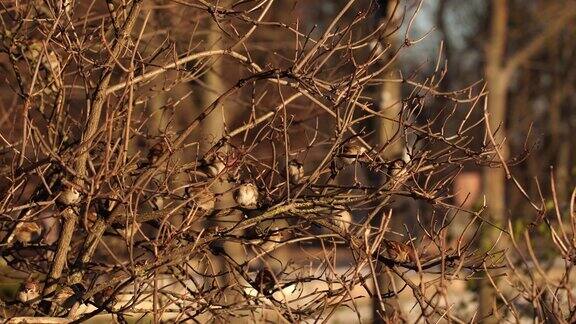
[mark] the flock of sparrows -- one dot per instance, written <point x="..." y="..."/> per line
<point x="65" y="297"/>
<point x="246" y="195"/>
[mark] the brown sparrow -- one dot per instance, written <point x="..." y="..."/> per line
<point x="399" y="252"/>
<point x="352" y="152"/>
<point x="246" y="196"/>
<point x="213" y="164"/>
<point x="69" y="194"/>
<point x="265" y="238"/>
<point x="50" y="61"/>
<point x="343" y="219"/>
<point x="104" y="295"/>
<point x="204" y="201"/>
<point x="27" y="232"/>
<point x="65" y="297"/>
<point x="265" y="281"/>
<point x="397" y="169"/>
<point x="156" y="151"/>
<point x="28" y="291"/>
<point x="295" y="171"/>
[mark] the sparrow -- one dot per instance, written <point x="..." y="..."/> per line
<point x="27" y="232"/>
<point x="204" y="201"/>
<point x="397" y="169"/>
<point x="69" y="194"/>
<point x="103" y="296"/>
<point x="265" y="281"/>
<point x="28" y="291"/>
<point x="399" y="252"/>
<point x="342" y="218"/>
<point x="156" y="151"/>
<point x="265" y="238"/>
<point x="213" y="164"/>
<point x="295" y="171"/>
<point x="157" y="202"/>
<point x="50" y="61"/>
<point x="68" y="296"/>
<point x="246" y="196"/>
<point x="130" y="231"/>
<point x="352" y="152"/>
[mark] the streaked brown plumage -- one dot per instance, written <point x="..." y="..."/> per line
<point x="27" y="232"/>
<point x="28" y="291"/>
<point x="399" y="252"/>
<point x="69" y="195"/>
<point x="156" y="151"/>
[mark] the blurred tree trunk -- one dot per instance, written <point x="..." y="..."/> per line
<point x="494" y="178"/>
<point x="211" y="131"/>
<point x="390" y="103"/>
<point x="499" y="70"/>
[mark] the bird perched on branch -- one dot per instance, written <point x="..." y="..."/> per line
<point x="352" y="152"/>
<point x="213" y="164"/>
<point x="156" y="151"/>
<point x="265" y="281"/>
<point x="399" y="252"/>
<point x="266" y="236"/>
<point x="105" y="295"/>
<point x="29" y="291"/>
<point x="295" y="172"/>
<point x="342" y="218"/>
<point x="27" y="232"/>
<point x="69" y="194"/>
<point x="246" y="196"/>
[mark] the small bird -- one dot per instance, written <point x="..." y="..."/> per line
<point x="65" y="297"/>
<point x="342" y="218"/>
<point x="265" y="281"/>
<point x="352" y="152"/>
<point x="399" y="252"/>
<point x="397" y="169"/>
<point x="29" y="291"/>
<point x="266" y="239"/>
<point x="27" y="232"/>
<point x="204" y="201"/>
<point x="246" y="195"/>
<point x="157" y="202"/>
<point x="295" y="171"/>
<point x="104" y="295"/>
<point x="130" y="231"/>
<point x="69" y="194"/>
<point x="156" y="151"/>
<point x="50" y="61"/>
<point x="213" y="164"/>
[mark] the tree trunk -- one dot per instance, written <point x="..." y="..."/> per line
<point x="494" y="178"/>
<point x="390" y="104"/>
